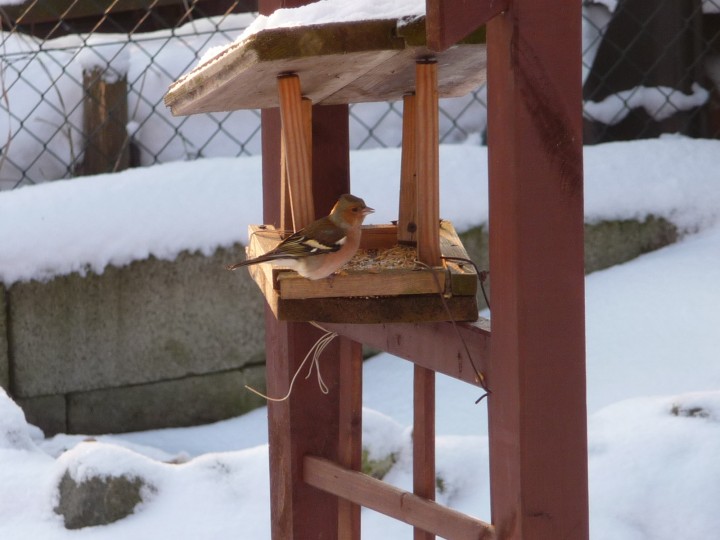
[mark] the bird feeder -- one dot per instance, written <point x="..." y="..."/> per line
<point x="339" y="63"/>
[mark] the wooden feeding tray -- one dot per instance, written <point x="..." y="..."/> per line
<point x="381" y="284"/>
<point x="339" y="63"/>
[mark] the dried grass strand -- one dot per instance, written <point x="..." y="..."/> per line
<point x="315" y="351"/>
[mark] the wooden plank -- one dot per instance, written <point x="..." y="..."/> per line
<point x="449" y="21"/>
<point x="407" y="213"/>
<point x="392" y="501"/>
<point x="375" y="310"/>
<point x="427" y="153"/>
<point x="350" y="431"/>
<point x="462" y="70"/>
<point x="440" y="346"/>
<point x="423" y="440"/>
<point x="242" y="76"/>
<point x="537" y="411"/>
<point x="339" y="63"/>
<point x="296" y="140"/>
<point x="352" y="284"/>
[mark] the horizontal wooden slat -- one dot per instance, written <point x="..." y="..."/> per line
<point x="353" y="284"/>
<point x="435" y="345"/>
<point x="34" y="12"/>
<point x="394" y="502"/>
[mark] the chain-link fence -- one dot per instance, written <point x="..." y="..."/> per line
<point x="649" y="67"/>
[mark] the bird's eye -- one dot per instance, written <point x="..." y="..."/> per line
<point x="355" y="209"/>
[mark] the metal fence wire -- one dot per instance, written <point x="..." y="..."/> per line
<point x="70" y="69"/>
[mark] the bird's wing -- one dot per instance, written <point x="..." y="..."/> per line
<point x="306" y="243"/>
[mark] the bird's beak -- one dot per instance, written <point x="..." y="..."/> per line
<point x="367" y="210"/>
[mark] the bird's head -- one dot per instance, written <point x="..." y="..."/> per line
<point x="350" y="210"/>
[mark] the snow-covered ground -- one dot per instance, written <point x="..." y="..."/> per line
<point x="652" y="344"/>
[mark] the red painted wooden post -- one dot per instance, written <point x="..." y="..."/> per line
<point x="310" y="422"/>
<point x="428" y="251"/>
<point x="538" y="446"/>
<point x="449" y="21"/>
<point x="350" y="435"/>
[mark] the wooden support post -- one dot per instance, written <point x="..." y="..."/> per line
<point x="297" y="144"/>
<point x="286" y="222"/>
<point x="537" y="411"/>
<point x="308" y="422"/>
<point x="286" y="215"/>
<point x="428" y="247"/>
<point x="305" y="423"/>
<point x="350" y="437"/>
<point x="428" y="162"/>
<point x="407" y="213"/>
<point x="105" y="116"/>
<point x="424" y="439"/>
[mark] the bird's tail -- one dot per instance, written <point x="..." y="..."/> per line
<point x="263" y="258"/>
<point x="238" y="265"/>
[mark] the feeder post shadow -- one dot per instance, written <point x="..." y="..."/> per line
<point x="537" y="409"/>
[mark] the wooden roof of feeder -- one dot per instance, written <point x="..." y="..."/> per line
<point x="347" y="62"/>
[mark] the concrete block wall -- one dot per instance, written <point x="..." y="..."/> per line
<point x="607" y="243"/>
<point x="152" y="344"/>
<point x="162" y="344"/>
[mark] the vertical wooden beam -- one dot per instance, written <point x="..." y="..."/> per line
<point x="309" y="422"/>
<point x="350" y="434"/>
<point x="537" y="411"/>
<point x="424" y="439"/>
<point x="449" y="21"/>
<point x="306" y="423"/>
<point x="427" y="167"/>
<point x="296" y="133"/>
<point x="286" y="222"/>
<point x="331" y="127"/>
<point x="286" y="216"/>
<point x="105" y="115"/>
<point x="272" y="163"/>
<point x="407" y="212"/>
<point x="428" y="162"/>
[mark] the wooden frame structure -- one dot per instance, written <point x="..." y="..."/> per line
<point x="534" y="355"/>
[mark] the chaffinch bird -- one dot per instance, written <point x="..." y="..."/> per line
<point x="322" y="247"/>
